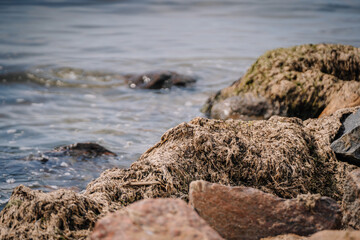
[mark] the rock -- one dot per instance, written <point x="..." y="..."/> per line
<point x="348" y="96"/>
<point x="336" y="235"/>
<point x="281" y="156"/>
<point x="348" y="145"/>
<point x="50" y="215"/>
<point x="300" y="81"/>
<point x="351" y="200"/>
<point x="84" y="150"/>
<point x="246" y="107"/>
<point x="158" y="80"/>
<point x="286" y="237"/>
<point x="77" y="150"/>
<point x="247" y="213"/>
<point x="154" y="219"/>
<point x="322" y="235"/>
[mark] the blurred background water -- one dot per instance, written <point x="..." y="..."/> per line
<point x="59" y="61"/>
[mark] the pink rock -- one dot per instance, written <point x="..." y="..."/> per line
<point x="351" y="200"/>
<point x="154" y="219"/>
<point x="248" y="213"/>
<point x="336" y="235"/>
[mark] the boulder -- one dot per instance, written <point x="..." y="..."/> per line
<point x="154" y="219"/>
<point x="347" y="146"/>
<point x="247" y="213"/>
<point x="84" y="150"/>
<point x="158" y="80"/>
<point x="322" y="235"/>
<point x="300" y="81"/>
<point x="336" y="235"/>
<point x="78" y="150"/>
<point x="351" y="200"/>
<point x="281" y="156"/>
<point x="62" y="214"/>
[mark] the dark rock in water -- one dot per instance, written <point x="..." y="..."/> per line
<point x="159" y="80"/>
<point x="300" y="81"/>
<point x="41" y="157"/>
<point x="351" y="200"/>
<point x="347" y="147"/>
<point x="84" y="150"/>
<point x="154" y="219"/>
<point x="247" y="213"/>
<point x="79" y="150"/>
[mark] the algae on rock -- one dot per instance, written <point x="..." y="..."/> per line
<point x="283" y="156"/>
<point x="296" y="82"/>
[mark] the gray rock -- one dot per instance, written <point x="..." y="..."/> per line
<point x="158" y="80"/>
<point x="348" y="145"/>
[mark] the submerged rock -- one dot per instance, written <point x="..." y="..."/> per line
<point x="88" y="149"/>
<point x="348" y="145"/>
<point x="77" y="150"/>
<point x="300" y="81"/>
<point x="247" y="213"/>
<point x="282" y="156"/>
<point x="154" y="219"/>
<point x="158" y="80"/>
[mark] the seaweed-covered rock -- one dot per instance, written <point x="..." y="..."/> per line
<point x="300" y="81"/>
<point x="282" y="156"/>
<point x="347" y="147"/>
<point x="154" y="219"/>
<point x="247" y="213"/>
<point x="158" y="80"/>
<point x="37" y="215"/>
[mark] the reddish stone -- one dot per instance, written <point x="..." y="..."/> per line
<point x="248" y="213"/>
<point x="336" y="235"/>
<point x="154" y="219"/>
<point x="351" y="200"/>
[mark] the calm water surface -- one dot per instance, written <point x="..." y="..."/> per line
<point x="59" y="60"/>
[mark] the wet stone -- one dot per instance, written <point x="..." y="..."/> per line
<point x="78" y="150"/>
<point x="84" y="149"/>
<point x="158" y="80"/>
<point x="347" y="147"/>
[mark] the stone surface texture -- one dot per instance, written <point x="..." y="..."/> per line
<point x="300" y="81"/>
<point x="243" y="213"/>
<point x="282" y="156"/>
<point x="347" y="146"/>
<point x="351" y="200"/>
<point x="322" y="235"/>
<point x="157" y="219"/>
